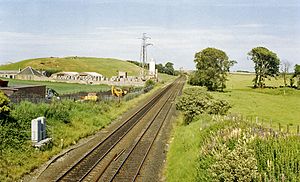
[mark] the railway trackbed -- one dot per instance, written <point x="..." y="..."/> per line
<point x="122" y="154"/>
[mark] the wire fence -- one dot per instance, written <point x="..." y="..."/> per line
<point x="102" y="96"/>
<point x="273" y="127"/>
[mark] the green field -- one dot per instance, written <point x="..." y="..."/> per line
<point x="281" y="105"/>
<point x="61" y="88"/>
<point x="186" y="160"/>
<point x="105" y="66"/>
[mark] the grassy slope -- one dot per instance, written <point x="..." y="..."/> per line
<point x="280" y="105"/>
<point x="106" y="66"/>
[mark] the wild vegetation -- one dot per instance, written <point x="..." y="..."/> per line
<point x="214" y="148"/>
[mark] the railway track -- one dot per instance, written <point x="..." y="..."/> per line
<point x="125" y="165"/>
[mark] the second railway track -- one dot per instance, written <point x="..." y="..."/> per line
<point x="125" y="164"/>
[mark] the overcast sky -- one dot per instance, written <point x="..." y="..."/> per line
<point x="179" y="29"/>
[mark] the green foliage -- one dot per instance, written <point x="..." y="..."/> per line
<point x="150" y="83"/>
<point x="169" y="69"/>
<point x="266" y="65"/>
<point x="212" y="66"/>
<point x="4" y="107"/>
<point x="196" y="101"/>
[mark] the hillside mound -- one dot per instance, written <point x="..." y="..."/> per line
<point x="106" y="66"/>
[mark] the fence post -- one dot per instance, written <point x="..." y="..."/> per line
<point x="298" y="130"/>
<point x="279" y="127"/>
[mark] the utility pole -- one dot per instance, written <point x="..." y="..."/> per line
<point x="143" y="54"/>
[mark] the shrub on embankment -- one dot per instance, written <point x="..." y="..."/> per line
<point x="196" y="100"/>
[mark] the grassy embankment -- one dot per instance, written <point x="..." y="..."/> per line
<point x="67" y="120"/>
<point x="186" y="160"/>
<point x="105" y="66"/>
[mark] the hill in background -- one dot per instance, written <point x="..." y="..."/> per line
<point x="105" y="66"/>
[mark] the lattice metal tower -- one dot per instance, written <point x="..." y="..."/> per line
<point x="143" y="54"/>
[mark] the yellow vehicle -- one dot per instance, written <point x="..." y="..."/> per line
<point x="90" y="97"/>
<point x="118" y="92"/>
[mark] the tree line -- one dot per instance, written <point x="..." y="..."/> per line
<point x="167" y="68"/>
<point x="213" y="66"/>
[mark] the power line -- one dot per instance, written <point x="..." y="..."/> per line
<point x="143" y="53"/>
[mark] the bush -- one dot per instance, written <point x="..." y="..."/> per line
<point x="196" y="101"/>
<point x="238" y="164"/>
<point x="149" y="85"/>
<point x="59" y="111"/>
<point x="4" y="108"/>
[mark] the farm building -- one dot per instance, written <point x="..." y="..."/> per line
<point x="29" y="73"/>
<point x="65" y="76"/>
<point x="86" y="76"/>
<point x="93" y="76"/>
<point x="9" y="73"/>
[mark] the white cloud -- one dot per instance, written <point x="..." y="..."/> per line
<point x="177" y="45"/>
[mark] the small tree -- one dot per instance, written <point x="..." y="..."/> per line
<point x="266" y="65"/>
<point x="297" y="75"/>
<point x="285" y="66"/>
<point x="212" y="67"/>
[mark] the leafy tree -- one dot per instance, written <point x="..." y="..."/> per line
<point x="169" y="69"/>
<point x="297" y="75"/>
<point x="4" y="107"/>
<point x="160" y="68"/>
<point x="266" y="65"/>
<point x="212" y="67"/>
